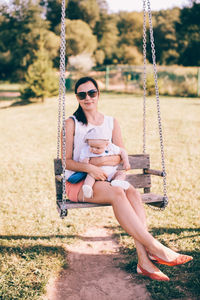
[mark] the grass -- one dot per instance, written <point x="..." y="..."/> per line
<point x="33" y="238"/>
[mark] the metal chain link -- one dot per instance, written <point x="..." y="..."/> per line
<point x="158" y="105"/>
<point x="144" y="76"/>
<point x="62" y="99"/>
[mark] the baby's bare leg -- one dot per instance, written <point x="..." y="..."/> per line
<point x="87" y="187"/>
<point x="89" y="180"/>
<point x="119" y="175"/>
<point x="119" y="180"/>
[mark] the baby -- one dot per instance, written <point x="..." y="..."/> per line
<point x="97" y="144"/>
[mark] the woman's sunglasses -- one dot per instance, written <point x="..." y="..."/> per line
<point x="90" y="93"/>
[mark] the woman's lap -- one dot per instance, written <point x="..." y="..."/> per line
<point x="103" y="192"/>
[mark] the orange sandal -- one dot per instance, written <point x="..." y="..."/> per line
<point x="181" y="259"/>
<point x="155" y="276"/>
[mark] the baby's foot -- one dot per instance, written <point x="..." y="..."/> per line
<point x="87" y="191"/>
<point x="121" y="183"/>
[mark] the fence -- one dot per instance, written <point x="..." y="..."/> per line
<point x="172" y="80"/>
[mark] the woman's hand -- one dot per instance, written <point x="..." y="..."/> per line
<point x="96" y="172"/>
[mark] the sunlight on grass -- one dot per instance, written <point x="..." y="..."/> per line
<point x="32" y="236"/>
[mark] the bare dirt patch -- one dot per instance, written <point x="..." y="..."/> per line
<point x="93" y="272"/>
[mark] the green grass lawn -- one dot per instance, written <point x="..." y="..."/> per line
<point x="32" y="237"/>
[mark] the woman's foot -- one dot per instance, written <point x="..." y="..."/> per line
<point x="121" y="183"/>
<point x="156" y="275"/>
<point x="87" y="191"/>
<point x="179" y="260"/>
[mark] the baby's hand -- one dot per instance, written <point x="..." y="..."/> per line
<point x="126" y="166"/>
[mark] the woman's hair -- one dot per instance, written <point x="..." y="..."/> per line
<point x="79" y="113"/>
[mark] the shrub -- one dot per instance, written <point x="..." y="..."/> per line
<point x="41" y="79"/>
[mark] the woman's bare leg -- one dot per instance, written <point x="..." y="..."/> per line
<point x="128" y="219"/>
<point x="135" y="200"/>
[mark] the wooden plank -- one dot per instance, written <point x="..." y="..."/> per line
<point x="146" y="198"/>
<point x="138" y="161"/>
<point x="58" y="166"/>
<point x="149" y="198"/>
<point x="58" y="189"/>
<point x="139" y="180"/>
<point x="154" y="172"/>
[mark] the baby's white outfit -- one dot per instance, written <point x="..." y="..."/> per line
<point x="111" y="149"/>
<point x="79" y="136"/>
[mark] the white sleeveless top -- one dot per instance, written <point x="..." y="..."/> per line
<point x="79" y="135"/>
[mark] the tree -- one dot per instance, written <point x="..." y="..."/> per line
<point x="41" y="79"/>
<point x="52" y="11"/>
<point x="166" y="42"/>
<point x="79" y="38"/>
<point x="21" y="27"/>
<point x="130" y="26"/>
<point x="188" y="35"/>
<point x="107" y="35"/>
<point x="130" y="55"/>
<point x="85" y="10"/>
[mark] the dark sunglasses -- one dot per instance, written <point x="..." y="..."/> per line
<point x="90" y="93"/>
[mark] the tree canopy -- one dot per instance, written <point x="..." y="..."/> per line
<point x="109" y="38"/>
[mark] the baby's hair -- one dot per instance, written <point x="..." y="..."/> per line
<point x="79" y="113"/>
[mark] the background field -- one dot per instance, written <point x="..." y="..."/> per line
<point x="32" y="237"/>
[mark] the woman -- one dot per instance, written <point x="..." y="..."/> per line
<point x="127" y="204"/>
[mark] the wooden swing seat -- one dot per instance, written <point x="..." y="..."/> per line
<point x="140" y="180"/>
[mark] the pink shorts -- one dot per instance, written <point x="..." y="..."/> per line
<point x="72" y="190"/>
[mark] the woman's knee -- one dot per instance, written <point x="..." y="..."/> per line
<point x="118" y="194"/>
<point x="134" y="193"/>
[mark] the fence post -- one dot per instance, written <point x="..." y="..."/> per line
<point x="198" y="82"/>
<point x="107" y="77"/>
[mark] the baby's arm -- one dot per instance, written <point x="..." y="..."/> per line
<point x="125" y="160"/>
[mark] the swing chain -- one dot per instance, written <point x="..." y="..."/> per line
<point x="62" y="100"/>
<point x="165" y="202"/>
<point x="144" y="76"/>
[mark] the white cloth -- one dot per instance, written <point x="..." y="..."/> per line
<point x="79" y="135"/>
<point x="111" y="149"/>
<point x="96" y="134"/>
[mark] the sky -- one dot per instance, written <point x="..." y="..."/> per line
<point x="137" y="5"/>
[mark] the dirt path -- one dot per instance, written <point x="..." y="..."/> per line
<point x="94" y="273"/>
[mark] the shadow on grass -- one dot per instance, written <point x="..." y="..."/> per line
<point x="16" y="103"/>
<point x="14" y="96"/>
<point x="56" y="236"/>
<point x="30" y="252"/>
<point x="160" y="230"/>
<point x="25" y="269"/>
<point x="184" y="279"/>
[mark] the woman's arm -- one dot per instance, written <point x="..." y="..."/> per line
<point x="73" y="165"/>
<point x="111" y="160"/>
<point x="117" y="135"/>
